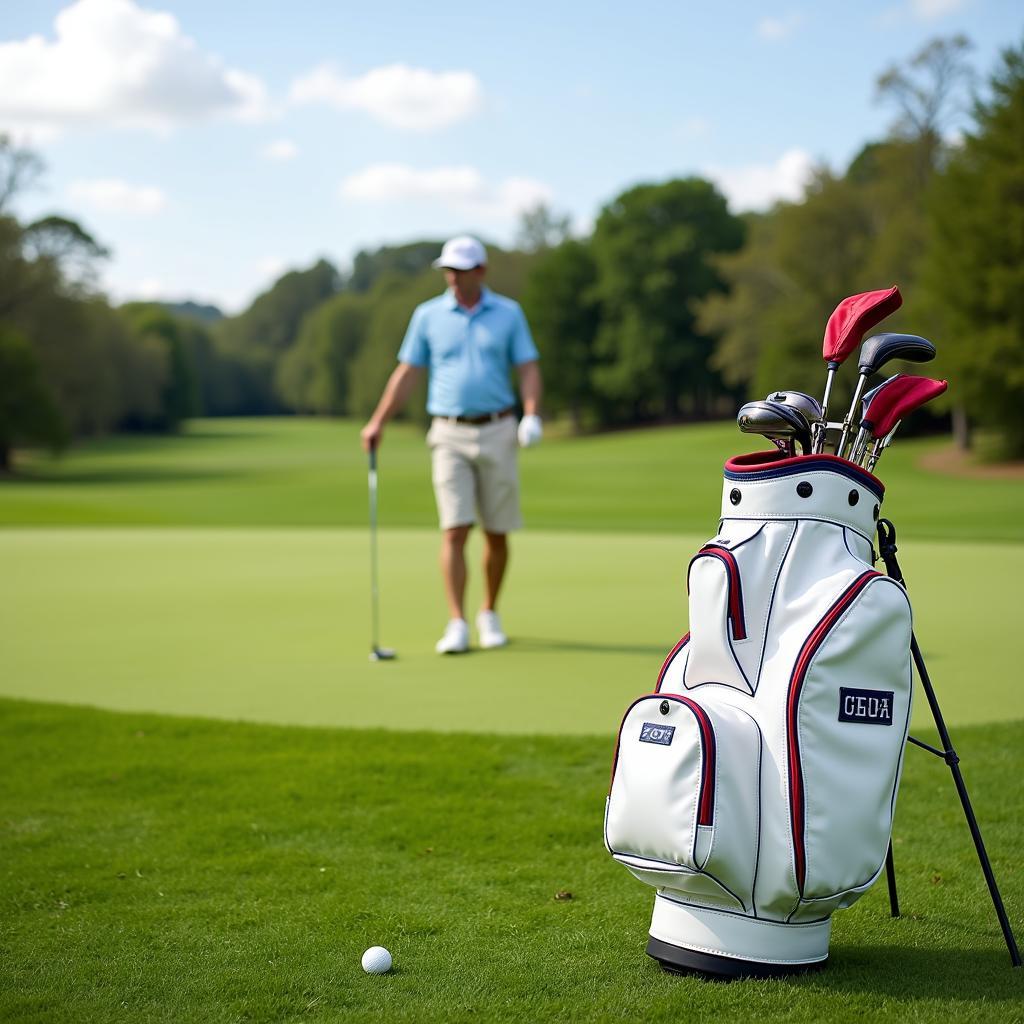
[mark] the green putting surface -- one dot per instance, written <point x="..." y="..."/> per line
<point x="273" y="626"/>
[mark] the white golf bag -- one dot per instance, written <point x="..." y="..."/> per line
<point x="755" y="787"/>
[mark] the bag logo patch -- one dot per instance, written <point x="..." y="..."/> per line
<point x="869" y="707"/>
<point x="651" y="732"/>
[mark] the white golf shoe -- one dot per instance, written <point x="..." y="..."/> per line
<point x="488" y="626"/>
<point x="455" y="639"/>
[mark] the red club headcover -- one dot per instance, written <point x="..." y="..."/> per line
<point x="901" y="397"/>
<point x="853" y="317"/>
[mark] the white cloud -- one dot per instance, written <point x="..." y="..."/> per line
<point x="757" y="186"/>
<point x="411" y="98"/>
<point x="459" y="188"/>
<point x="282" y="150"/>
<point x="929" y="10"/>
<point x="779" y="28"/>
<point x="111" y="195"/>
<point x="113" y="62"/>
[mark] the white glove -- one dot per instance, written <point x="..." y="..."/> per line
<point x="530" y="430"/>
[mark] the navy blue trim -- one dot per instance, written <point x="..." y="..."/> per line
<point x="808" y="464"/>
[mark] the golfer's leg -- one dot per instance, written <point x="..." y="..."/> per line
<point x="455" y="492"/>
<point x="453" y="569"/>
<point x="495" y="562"/>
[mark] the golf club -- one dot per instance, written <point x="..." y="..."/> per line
<point x="856" y="452"/>
<point x="874" y="354"/>
<point x="850" y="320"/>
<point x="890" y="405"/>
<point x="377" y="653"/>
<point x="781" y="424"/>
<point x="804" y="403"/>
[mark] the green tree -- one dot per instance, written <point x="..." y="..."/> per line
<point x="313" y="376"/>
<point x="179" y="397"/>
<point x="541" y="228"/>
<point x="561" y="307"/>
<point x="259" y="337"/>
<point x="974" y="269"/>
<point x="654" y="247"/>
<point x="20" y="169"/>
<point x="392" y="302"/>
<point x="407" y="260"/>
<point x="28" y="414"/>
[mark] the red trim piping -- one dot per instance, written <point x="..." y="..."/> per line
<point x="759" y="462"/>
<point x="739" y="627"/>
<point x="706" y="808"/>
<point x="683" y="641"/>
<point x="796" y="682"/>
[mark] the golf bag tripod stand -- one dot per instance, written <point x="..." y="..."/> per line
<point x="887" y="551"/>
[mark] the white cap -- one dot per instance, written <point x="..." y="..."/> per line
<point x="462" y="253"/>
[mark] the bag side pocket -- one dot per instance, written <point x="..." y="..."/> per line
<point x="682" y="810"/>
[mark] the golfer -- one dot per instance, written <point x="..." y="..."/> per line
<point x="468" y="339"/>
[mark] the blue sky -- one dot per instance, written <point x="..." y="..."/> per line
<point x="213" y="145"/>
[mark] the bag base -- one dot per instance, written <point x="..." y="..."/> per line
<point x="684" y="937"/>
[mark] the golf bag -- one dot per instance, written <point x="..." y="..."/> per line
<point x="755" y="787"/>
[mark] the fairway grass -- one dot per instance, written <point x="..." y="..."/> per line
<point x="273" y="626"/>
<point x="171" y="870"/>
<point x="305" y="472"/>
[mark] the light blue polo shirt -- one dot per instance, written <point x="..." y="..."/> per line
<point x="469" y="355"/>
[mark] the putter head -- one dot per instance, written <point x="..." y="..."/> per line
<point x="383" y="654"/>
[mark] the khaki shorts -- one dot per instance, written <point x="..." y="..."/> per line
<point x="475" y="471"/>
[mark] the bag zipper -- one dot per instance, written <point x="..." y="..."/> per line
<point x="796" y="682"/>
<point x="732" y="569"/>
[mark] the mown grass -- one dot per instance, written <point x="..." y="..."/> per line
<point x="273" y="625"/>
<point x="167" y="869"/>
<point x="300" y="472"/>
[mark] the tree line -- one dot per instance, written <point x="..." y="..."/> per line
<point x="671" y="308"/>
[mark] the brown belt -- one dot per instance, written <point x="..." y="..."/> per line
<point x="488" y="417"/>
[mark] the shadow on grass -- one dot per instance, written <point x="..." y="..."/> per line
<point x="34" y="476"/>
<point x="580" y="646"/>
<point x="953" y="974"/>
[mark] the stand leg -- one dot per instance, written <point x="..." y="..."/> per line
<point x="890" y="877"/>
<point x="887" y="549"/>
<point x="953" y="761"/>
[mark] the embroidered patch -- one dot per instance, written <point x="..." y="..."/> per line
<point x="869" y="707"/>
<point x="653" y="733"/>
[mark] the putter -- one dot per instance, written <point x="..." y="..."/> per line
<point x="781" y="424"/>
<point x="377" y="653"/>
<point x="849" y="322"/>
<point x="874" y="354"/>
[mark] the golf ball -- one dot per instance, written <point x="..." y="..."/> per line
<point x="377" y="960"/>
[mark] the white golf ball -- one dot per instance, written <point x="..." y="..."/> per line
<point x="377" y="960"/>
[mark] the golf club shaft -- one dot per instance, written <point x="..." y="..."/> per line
<point x="848" y="420"/>
<point x="821" y="427"/>
<point x="880" y="445"/>
<point x="859" y="445"/>
<point x="374" y="598"/>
